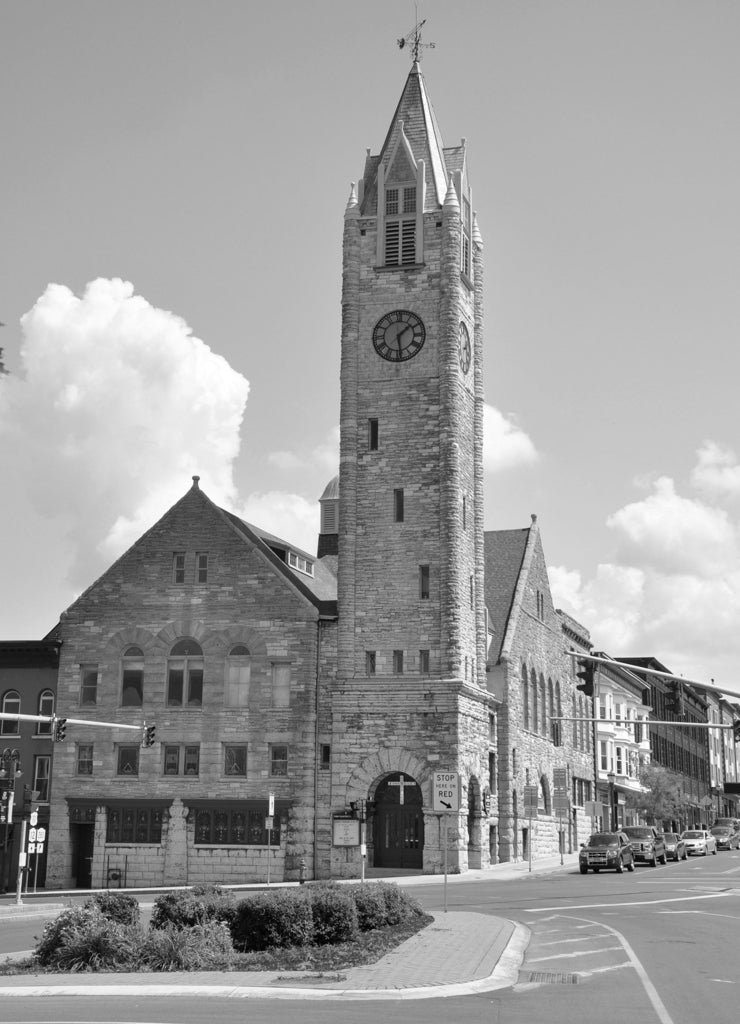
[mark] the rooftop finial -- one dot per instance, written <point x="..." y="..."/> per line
<point x="413" y="39"/>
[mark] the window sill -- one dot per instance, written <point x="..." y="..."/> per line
<point x="386" y="268"/>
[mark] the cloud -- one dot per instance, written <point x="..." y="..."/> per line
<point x="672" y="534"/>
<point x="505" y="445"/>
<point x="118" y="406"/>
<point x="673" y="589"/>
<point x="717" y="474"/>
<point x="288" y="516"/>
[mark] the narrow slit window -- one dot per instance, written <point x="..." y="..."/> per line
<point x="398" y="504"/>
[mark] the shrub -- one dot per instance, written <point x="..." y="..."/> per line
<point x="82" y="939"/>
<point x="117" y="906"/>
<point x="203" y="947"/>
<point x="371" y="907"/>
<point x="192" y="907"/>
<point x="269" y="919"/>
<point x="334" y="916"/>
<point x="399" y="906"/>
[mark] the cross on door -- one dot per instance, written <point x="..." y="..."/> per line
<point x="401" y="783"/>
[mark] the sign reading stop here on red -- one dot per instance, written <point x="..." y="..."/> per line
<point x="446" y="791"/>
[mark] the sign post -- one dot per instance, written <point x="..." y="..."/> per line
<point x="269" y="820"/>
<point x="446" y="801"/>
<point x="561" y="802"/>
<point x="530" y="810"/>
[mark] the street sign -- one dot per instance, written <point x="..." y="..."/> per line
<point x="560" y="803"/>
<point x="560" y="778"/>
<point x="271" y="804"/>
<point x="446" y="791"/>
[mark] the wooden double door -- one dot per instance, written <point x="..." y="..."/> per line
<point x="398" y="824"/>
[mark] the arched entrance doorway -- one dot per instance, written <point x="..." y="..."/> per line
<point x="398" y="826"/>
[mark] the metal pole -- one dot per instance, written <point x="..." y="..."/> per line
<point x="21" y="858"/>
<point x="445" y="842"/>
<point x="530" y="843"/>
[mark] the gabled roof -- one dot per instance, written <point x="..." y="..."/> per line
<point x="320" y="589"/>
<point x="504" y="556"/>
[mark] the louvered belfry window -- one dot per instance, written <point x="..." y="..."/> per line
<point x="400" y="226"/>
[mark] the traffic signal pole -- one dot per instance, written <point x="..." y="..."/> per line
<point x="653" y="672"/>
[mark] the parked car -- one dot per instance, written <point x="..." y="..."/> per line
<point x="647" y="844"/>
<point x="606" y="850"/>
<point x="675" y="847"/>
<point x="698" y="840"/>
<point x="733" y="823"/>
<point x="727" y="838"/>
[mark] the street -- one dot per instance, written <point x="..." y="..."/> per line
<point x="657" y="945"/>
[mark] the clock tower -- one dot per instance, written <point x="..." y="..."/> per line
<point x="410" y="696"/>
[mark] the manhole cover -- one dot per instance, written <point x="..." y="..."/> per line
<point x="548" y="977"/>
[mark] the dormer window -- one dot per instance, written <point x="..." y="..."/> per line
<point x="296" y="561"/>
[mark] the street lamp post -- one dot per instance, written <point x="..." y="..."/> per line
<point x="611" y="778"/>
<point x="10" y="769"/>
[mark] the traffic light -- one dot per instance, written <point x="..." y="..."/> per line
<point x="586" y="673"/>
<point x="674" y="700"/>
<point x="736" y="730"/>
<point x="60" y="730"/>
<point x="147" y="739"/>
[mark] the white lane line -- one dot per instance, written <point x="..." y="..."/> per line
<point x="634" y="903"/>
<point x="575" y="953"/>
<point x="650" y="990"/>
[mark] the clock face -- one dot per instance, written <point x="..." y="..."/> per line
<point x="399" y="335"/>
<point x="463" y="348"/>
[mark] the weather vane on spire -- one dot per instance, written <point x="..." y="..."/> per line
<point x="413" y="39"/>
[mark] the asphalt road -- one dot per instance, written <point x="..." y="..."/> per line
<point x="656" y="945"/>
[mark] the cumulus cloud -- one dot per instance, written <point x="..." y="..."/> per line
<point x="717" y="473"/>
<point x="119" y="405"/>
<point x="673" y="589"/>
<point x="505" y="445"/>
<point x="673" y="534"/>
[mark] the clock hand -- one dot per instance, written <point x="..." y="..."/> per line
<point x="399" y="336"/>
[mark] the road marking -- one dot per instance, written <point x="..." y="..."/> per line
<point x="578" y="952"/>
<point x="634" y="903"/>
<point x="650" y="990"/>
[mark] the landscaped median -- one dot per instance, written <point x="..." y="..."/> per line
<point x="319" y="926"/>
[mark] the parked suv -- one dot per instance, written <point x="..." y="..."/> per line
<point x="606" y="850"/>
<point x="648" y="844"/>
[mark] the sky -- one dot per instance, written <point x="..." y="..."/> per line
<point x="173" y="179"/>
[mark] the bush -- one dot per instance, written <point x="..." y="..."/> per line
<point x="334" y="915"/>
<point x="272" y="919"/>
<point x="82" y="939"/>
<point x="192" y="907"/>
<point x="203" y="947"/>
<point x="117" y="906"/>
<point x="399" y="906"/>
<point x="371" y="908"/>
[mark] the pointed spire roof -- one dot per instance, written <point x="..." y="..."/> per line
<point x="413" y="127"/>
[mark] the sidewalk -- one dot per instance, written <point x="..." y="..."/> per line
<point x="458" y="954"/>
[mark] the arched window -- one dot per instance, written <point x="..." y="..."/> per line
<point x="543" y="801"/>
<point x="535" y="702"/>
<point x="238" y="675"/>
<point x="543" y="699"/>
<point x="185" y="675"/>
<point x="11" y="706"/>
<point x="525" y="696"/>
<point x="46" y="707"/>
<point x="132" y="678"/>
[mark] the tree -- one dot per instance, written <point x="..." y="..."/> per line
<point x="660" y="799"/>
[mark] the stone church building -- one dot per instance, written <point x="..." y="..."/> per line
<point x="303" y="703"/>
